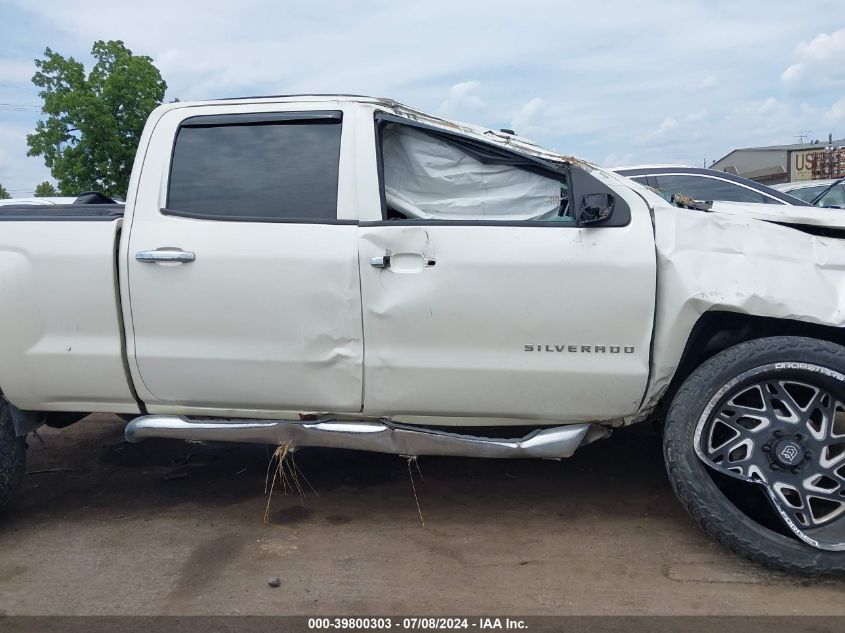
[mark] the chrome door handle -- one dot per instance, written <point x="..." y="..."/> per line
<point x="380" y="262"/>
<point x="161" y="255"/>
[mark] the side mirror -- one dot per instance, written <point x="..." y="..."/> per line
<point x="595" y="207"/>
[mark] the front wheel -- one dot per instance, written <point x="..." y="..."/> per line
<point x="755" y="450"/>
<point x="12" y="455"/>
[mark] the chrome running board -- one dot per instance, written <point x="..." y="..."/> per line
<point x="381" y="436"/>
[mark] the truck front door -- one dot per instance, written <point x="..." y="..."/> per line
<point x="481" y="295"/>
<point x="242" y="267"/>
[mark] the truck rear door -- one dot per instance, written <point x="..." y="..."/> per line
<point x="242" y="267"/>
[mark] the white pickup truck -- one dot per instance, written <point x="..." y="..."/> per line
<point x="349" y="272"/>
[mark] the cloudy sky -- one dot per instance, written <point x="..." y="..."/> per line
<point x="612" y="81"/>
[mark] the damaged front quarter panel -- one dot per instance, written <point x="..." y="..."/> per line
<point x="736" y="263"/>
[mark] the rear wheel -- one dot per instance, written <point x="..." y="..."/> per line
<point x="755" y="450"/>
<point x="12" y="455"/>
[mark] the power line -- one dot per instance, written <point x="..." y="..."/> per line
<point x="18" y="85"/>
<point x="19" y="107"/>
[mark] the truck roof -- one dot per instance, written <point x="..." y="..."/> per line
<point x="506" y="139"/>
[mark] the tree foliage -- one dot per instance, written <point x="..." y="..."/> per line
<point x="45" y="189"/>
<point x="4" y="195"/>
<point x="93" y="123"/>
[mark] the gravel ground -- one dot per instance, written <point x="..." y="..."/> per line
<point x="164" y="527"/>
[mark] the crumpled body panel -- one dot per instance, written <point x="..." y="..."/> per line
<point x="784" y="214"/>
<point x="713" y="261"/>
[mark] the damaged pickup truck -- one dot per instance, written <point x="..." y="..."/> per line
<point x="349" y="272"/>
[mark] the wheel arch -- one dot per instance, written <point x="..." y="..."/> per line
<point x="717" y="330"/>
<point x="23" y="421"/>
<point x="27" y="421"/>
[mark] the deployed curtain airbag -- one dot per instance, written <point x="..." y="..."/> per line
<point x="427" y="177"/>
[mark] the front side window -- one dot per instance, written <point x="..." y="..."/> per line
<point x="704" y="188"/>
<point x="428" y="176"/>
<point x="261" y="171"/>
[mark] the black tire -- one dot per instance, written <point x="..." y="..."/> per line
<point x="693" y="481"/>
<point x="12" y="456"/>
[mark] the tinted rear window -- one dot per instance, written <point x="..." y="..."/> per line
<point x="274" y="171"/>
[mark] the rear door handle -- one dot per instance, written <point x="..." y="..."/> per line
<point x="165" y="255"/>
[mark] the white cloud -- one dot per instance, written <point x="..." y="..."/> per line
<point x="695" y="117"/>
<point x="770" y="105"/>
<point x="836" y="112"/>
<point x="18" y="71"/>
<point x="666" y="125"/>
<point x="530" y="119"/>
<point x="706" y="83"/>
<point x="820" y="62"/>
<point x="618" y="160"/>
<point x="666" y="129"/>
<point x="462" y="97"/>
<point x="18" y="174"/>
<point x="649" y="98"/>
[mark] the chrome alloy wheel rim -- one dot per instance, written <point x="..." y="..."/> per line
<point x="777" y="428"/>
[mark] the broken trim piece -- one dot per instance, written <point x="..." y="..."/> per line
<point x="367" y="435"/>
<point x="484" y="151"/>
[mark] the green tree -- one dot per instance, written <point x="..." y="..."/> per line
<point x="44" y="190"/>
<point x="93" y="123"/>
<point x="4" y="195"/>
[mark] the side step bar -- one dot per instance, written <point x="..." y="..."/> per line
<point x="380" y="436"/>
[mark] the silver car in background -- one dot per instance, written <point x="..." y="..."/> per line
<point x="707" y="184"/>
<point x="820" y="193"/>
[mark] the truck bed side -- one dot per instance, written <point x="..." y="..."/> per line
<point x="60" y="334"/>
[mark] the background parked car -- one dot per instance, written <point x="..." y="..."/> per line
<point x="39" y="201"/>
<point x="86" y="197"/>
<point x="821" y="193"/>
<point x="706" y="184"/>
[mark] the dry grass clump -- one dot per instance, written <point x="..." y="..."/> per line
<point x="286" y="473"/>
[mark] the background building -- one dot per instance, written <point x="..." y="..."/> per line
<point x="786" y="163"/>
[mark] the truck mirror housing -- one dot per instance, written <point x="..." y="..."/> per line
<point x="595" y="207"/>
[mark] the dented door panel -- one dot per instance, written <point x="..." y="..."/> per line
<point x="520" y="321"/>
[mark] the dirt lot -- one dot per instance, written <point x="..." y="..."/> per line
<point x="171" y="528"/>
